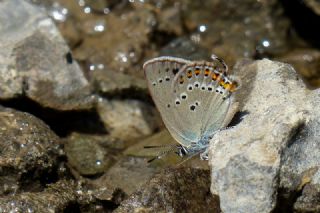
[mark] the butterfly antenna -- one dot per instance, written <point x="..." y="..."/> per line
<point x="225" y="66"/>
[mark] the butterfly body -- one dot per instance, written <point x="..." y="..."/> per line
<point x="195" y="99"/>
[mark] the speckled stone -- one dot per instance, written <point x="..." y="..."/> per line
<point x="173" y="190"/>
<point x="29" y="151"/>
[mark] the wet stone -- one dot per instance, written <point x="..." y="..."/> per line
<point x="235" y="30"/>
<point x="29" y="152"/>
<point x="173" y="190"/>
<point x="307" y="62"/>
<point x="36" y="62"/>
<point x="127" y="174"/>
<point x="185" y="48"/>
<point x="90" y="154"/>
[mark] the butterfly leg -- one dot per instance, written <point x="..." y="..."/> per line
<point x="204" y="155"/>
<point x="182" y="151"/>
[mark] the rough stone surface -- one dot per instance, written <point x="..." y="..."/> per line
<point x="128" y="119"/>
<point x="173" y="190"/>
<point x="28" y="152"/>
<point x="35" y="61"/>
<point x="246" y="160"/>
<point x="110" y="83"/>
<point x="127" y="174"/>
<point x="300" y="170"/>
<point x="56" y="198"/>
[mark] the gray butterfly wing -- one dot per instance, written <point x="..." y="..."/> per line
<point x="205" y="99"/>
<point x="160" y="73"/>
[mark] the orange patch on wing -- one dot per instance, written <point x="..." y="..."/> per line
<point x="207" y="72"/>
<point x="197" y="71"/>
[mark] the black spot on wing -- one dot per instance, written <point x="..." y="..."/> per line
<point x="175" y="71"/>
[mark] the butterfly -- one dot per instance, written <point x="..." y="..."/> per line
<point x="195" y="99"/>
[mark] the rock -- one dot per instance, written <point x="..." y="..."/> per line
<point x="111" y="83"/>
<point x="307" y="62"/>
<point x="57" y="197"/>
<point x="128" y="174"/>
<point x="29" y="152"/>
<point x="185" y="48"/>
<point x="121" y="45"/>
<point x="300" y="170"/>
<point x="309" y="201"/>
<point x="128" y="119"/>
<point x="89" y="154"/>
<point x="246" y="160"/>
<point x="35" y="61"/>
<point x="173" y="190"/>
<point x="234" y="30"/>
<point x="314" y="5"/>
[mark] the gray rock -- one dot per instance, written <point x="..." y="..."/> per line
<point x="173" y="190"/>
<point x="128" y="119"/>
<point x="246" y="160"/>
<point x="35" y="61"/>
<point x="29" y="151"/>
<point x="300" y="167"/>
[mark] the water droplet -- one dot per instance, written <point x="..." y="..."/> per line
<point x="202" y="28"/>
<point x="265" y="43"/>
<point x="87" y="10"/>
<point x="81" y="3"/>
<point x="99" y="27"/>
<point x="58" y="13"/>
<point x="98" y="162"/>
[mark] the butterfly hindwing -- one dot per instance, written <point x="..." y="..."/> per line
<point x="160" y="73"/>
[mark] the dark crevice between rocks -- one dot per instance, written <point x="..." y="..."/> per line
<point x="237" y="118"/>
<point x="286" y="200"/>
<point x="161" y="38"/>
<point x="304" y="20"/>
<point x="285" y="197"/>
<point x="61" y="122"/>
<point x="298" y="134"/>
<point x="130" y="93"/>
